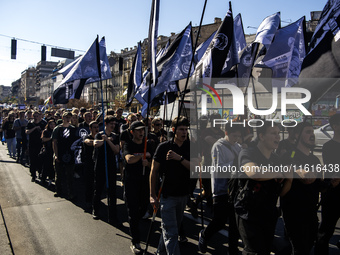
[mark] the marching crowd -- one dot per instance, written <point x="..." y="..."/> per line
<point x="61" y="145"/>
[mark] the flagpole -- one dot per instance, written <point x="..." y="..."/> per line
<point x="191" y="63"/>
<point x="103" y="113"/>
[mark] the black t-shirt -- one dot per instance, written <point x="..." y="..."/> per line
<point x="83" y="129"/>
<point x="8" y="126"/>
<point x="331" y="158"/>
<point x="177" y="177"/>
<point x="47" y="133"/>
<point x="285" y="145"/>
<point x="99" y="155"/>
<point x="119" y="123"/>
<point x="135" y="171"/>
<point x="256" y="200"/>
<point x="65" y="137"/>
<point x="301" y="198"/>
<point x="88" y="150"/>
<point x="125" y="135"/>
<point x="34" y="141"/>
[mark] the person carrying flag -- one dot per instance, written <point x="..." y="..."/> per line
<point x="136" y="188"/>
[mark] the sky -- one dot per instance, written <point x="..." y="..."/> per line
<point x="74" y="24"/>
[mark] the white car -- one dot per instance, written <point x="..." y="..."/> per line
<point x="323" y="134"/>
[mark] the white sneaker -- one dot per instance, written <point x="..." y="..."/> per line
<point x="135" y="248"/>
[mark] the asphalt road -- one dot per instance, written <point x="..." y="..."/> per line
<point x="38" y="223"/>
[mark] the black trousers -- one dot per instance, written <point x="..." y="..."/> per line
<point x="89" y="181"/>
<point x="100" y="185"/>
<point x="329" y="217"/>
<point x="137" y="200"/>
<point x="302" y="228"/>
<point x="257" y="235"/>
<point x="223" y="210"/>
<point x="35" y="161"/>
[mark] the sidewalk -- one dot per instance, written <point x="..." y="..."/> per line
<point x="5" y="248"/>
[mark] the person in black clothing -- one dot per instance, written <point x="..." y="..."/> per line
<point x="89" y="163"/>
<point x="136" y="185"/>
<point x="158" y="130"/>
<point x="119" y="120"/>
<point x="106" y="142"/>
<point x="9" y="134"/>
<point x="256" y="198"/>
<point x="125" y="136"/>
<point x="63" y="136"/>
<point x="172" y="160"/>
<point x="299" y="204"/>
<point x="84" y="127"/>
<point x="330" y="200"/>
<point x="47" y="160"/>
<point x="34" y="129"/>
<point x="287" y="145"/>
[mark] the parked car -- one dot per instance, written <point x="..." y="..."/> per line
<point x="323" y="134"/>
<point x="125" y="114"/>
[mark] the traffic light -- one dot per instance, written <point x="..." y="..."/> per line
<point x="14" y="49"/>
<point x="43" y="53"/>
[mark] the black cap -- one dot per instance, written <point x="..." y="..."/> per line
<point x="137" y="125"/>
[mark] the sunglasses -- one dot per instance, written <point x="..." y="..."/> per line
<point x="157" y="125"/>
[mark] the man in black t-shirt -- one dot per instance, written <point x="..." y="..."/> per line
<point x="33" y="130"/>
<point x="299" y="204"/>
<point x="330" y="200"/>
<point x="136" y="185"/>
<point x="119" y="120"/>
<point x="259" y="188"/>
<point x="63" y="136"/>
<point x="84" y="127"/>
<point x="88" y="147"/>
<point x="106" y="145"/>
<point x="172" y="161"/>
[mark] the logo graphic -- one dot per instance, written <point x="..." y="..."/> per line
<point x="209" y="93"/>
<point x="221" y="41"/>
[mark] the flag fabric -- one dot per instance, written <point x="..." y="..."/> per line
<point x="320" y="68"/>
<point x="84" y="70"/>
<point x="264" y="35"/>
<point x="153" y="34"/>
<point x="212" y="62"/>
<point x="48" y="101"/>
<point x="267" y="29"/>
<point x="135" y="79"/>
<point x="66" y="69"/>
<point x="201" y="49"/>
<point x="174" y="65"/>
<point x="285" y="54"/>
<point x="237" y="45"/>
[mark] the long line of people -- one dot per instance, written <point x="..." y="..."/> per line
<point x="61" y="145"/>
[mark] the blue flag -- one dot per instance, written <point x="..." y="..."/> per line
<point x="264" y="35"/>
<point x="202" y="48"/>
<point x="285" y="54"/>
<point x="174" y="64"/>
<point x="84" y="70"/>
<point x="135" y="79"/>
<point x="320" y="69"/>
<point x="237" y="45"/>
<point x="212" y="62"/>
<point x="267" y="29"/>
